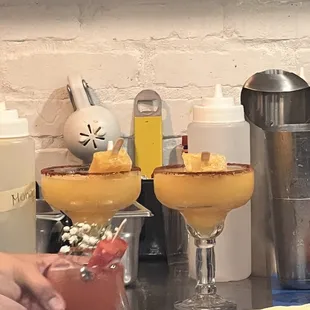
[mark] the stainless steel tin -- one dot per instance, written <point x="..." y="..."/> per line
<point x="289" y="168"/>
<point x="49" y="223"/>
<point x="276" y="104"/>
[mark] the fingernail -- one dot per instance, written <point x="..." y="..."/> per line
<point x="56" y="304"/>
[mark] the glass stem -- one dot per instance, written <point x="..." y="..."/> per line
<point x="205" y="266"/>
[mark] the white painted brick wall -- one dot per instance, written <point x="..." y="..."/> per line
<point x="180" y="48"/>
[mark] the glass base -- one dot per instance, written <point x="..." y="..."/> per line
<point x="205" y="302"/>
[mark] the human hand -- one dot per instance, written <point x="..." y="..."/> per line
<point x="22" y="285"/>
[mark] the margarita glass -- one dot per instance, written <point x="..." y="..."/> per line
<point x="204" y="199"/>
<point x="90" y="200"/>
<point x="90" y="197"/>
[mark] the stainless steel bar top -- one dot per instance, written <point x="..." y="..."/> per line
<point x="159" y="286"/>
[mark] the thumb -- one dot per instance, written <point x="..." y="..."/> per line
<point x="40" y="288"/>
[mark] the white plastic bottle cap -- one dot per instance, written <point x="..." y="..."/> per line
<point x="11" y="126"/>
<point x="218" y="109"/>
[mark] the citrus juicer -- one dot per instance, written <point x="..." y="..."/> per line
<point x="89" y="128"/>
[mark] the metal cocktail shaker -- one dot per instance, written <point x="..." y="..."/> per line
<point x="277" y="106"/>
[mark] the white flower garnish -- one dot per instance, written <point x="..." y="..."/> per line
<point x="86" y="228"/>
<point x="66" y="236"/>
<point x="64" y="249"/>
<point x="86" y="239"/>
<point x="73" y="239"/>
<point x="93" y="241"/>
<point x="80" y="233"/>
<point x="85" y="236"/>
<point x="73" y="231"/>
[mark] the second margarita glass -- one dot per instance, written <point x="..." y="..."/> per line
<point x="204" y="199"/>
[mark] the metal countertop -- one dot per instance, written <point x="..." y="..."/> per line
<point x="159" y="287"/>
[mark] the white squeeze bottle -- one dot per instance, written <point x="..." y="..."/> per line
<point x="17" y="184"/>
<point x="219" y="126"/>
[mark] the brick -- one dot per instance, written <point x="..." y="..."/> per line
<point x="48" y="142"/>
<point x="176" y="116"/>
<point x="46" y="116"/>
<point x="50" y="71"/>
<point x="303" y="57"/>
<point x="123" y="111"/>
<point x="144" y="20"/>
<point x="117" y="95"/>
<point x="24" y="106"/>
<point x="33" y="22"/>
<point x="268" y="21"/>
<point x="232" y="68"/>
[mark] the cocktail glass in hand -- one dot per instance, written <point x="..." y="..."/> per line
<point x="87" y="286"/>
<point x="92" y="276"/>
<point x="204" y="199"/>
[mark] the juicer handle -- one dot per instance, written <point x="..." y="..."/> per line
<point x="78" y="92"/>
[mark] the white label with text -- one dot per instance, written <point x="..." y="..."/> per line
<point x="17" y="198"/>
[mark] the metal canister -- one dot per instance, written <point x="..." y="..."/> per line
<point x="289" y="168"/>
<point x="277" y="106"/>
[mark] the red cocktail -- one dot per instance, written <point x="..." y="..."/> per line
<point x="94" y="282"/>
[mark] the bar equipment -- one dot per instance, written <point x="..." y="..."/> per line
<point x="148" y="145"/>
<point x="277" y="106"/>
<point x="90" y="127"/>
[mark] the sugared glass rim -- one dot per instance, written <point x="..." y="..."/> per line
<point x="80" y="170"/>
<point x="173" y="170"/>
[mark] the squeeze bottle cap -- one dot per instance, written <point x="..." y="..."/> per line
<point x="218" y="109"/>
<point x="11" y="126"/>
